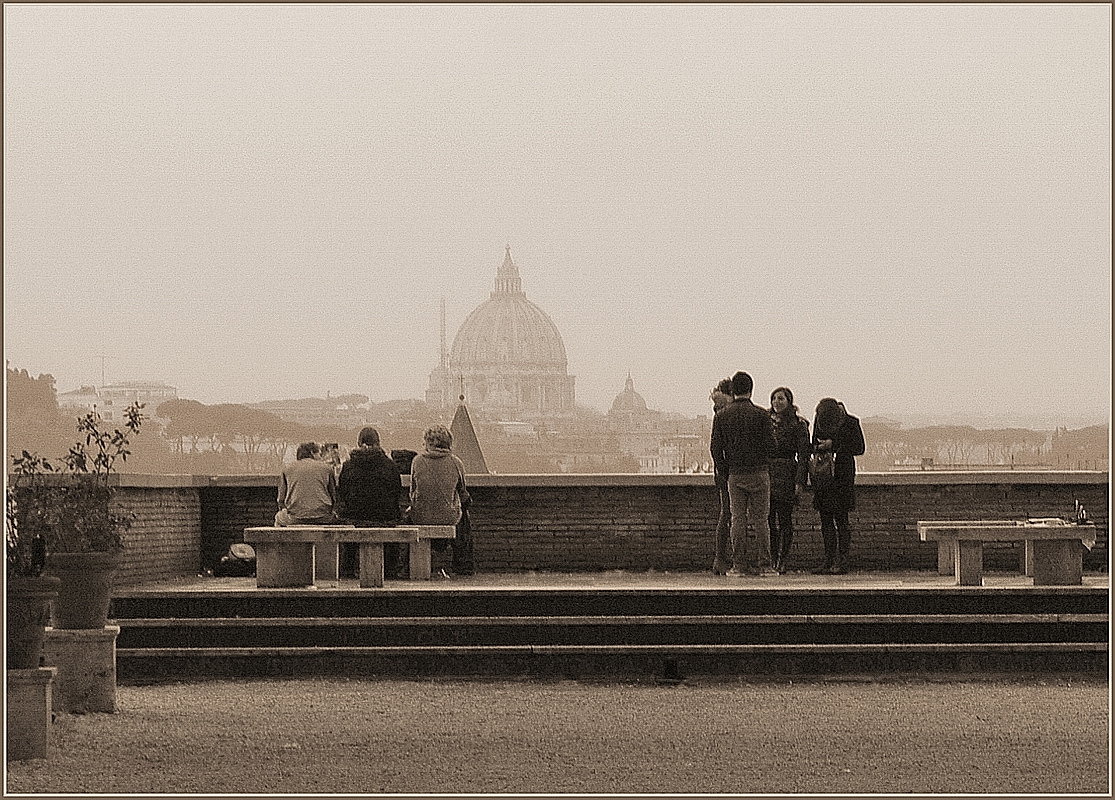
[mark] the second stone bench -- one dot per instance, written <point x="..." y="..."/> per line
<point x="299" y="555"/>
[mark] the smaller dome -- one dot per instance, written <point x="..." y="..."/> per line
<point x="628" y="400"/>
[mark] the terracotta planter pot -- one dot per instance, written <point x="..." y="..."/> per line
<point x="28" y="612"/>
<point x="86" y="588"/>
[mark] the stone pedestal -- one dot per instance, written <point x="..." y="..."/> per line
<point x="28" y="712"/>
<point x="284" y="564"/>
<point x="326" y="561"/>
<point x="420" y="560"/>
<point x="1058" y="562"/>
<point x="969" y="563"/>
<point x="946" y="556"/>
<point x="371" y="564"/>
<point x="86" y="665"/>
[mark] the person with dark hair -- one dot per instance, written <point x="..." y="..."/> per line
<point x="438" y="495"/>
<point x="742" y="441"/>
<point x="369" y="495"/>
<point x="789" y="473"/>
<point x="721" y="396"/>
<point x="307" y="489"/>
<point x="838" y="432"/>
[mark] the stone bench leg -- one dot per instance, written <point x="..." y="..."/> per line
<point x="420" y="560"/>
<point x="326" y="560"/>
<point x="946" y="556"/>
<point x="284" y="564"/>
<point x="969" y="563"/>
<point x="28" y="712"/>
<point x="1026" y="558"/>
<point x="371" y="564"/>
<point x="86" y="664"/>
<point x="1058" y="562"/>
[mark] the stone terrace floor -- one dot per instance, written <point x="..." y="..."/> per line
<point x="617" y="579"/>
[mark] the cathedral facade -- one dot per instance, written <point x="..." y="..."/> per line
<point x="507" y="359"/>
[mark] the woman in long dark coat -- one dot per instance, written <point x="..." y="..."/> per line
<point x="838" y="432"/>
<point x="788" y="472"/>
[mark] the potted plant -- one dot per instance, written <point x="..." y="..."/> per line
<point x="28" y="592"/>
<point x="70" y="509"/>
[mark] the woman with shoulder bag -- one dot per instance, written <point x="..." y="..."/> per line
<point x="438" y="494"/>
<point x="788" y="472"/>
<point x="838" y="434"/>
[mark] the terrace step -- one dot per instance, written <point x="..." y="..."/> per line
<point x="475" y="602"/>
<point x="604" y="630"/>
<point x="579" y="631"/>
<point x="139" y="665"/>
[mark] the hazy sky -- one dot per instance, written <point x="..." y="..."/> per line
<point x="906" y="207"/>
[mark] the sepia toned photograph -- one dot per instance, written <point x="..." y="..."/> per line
<point x="557" y="399"/>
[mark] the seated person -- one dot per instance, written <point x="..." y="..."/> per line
<point x="438" y="495"/>
<point x="368" y="493"/>
<point x="307" y="490"/>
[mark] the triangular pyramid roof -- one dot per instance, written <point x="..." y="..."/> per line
<point x="465" y="444"/>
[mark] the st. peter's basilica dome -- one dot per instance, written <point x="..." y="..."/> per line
<point x="507" y="356"/>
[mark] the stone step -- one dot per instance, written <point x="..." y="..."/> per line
<point x="606" y="630"/>
<point x="627" y="660"/>
<point x="448" y="601"/>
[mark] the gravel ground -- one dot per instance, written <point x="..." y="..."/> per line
<point x="896" y="735"/>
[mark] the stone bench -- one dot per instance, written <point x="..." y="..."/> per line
<point x="297" y="555"/>
<point x="1053" y="549"/>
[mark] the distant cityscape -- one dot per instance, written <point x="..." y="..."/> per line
<point x="507" y="366"/>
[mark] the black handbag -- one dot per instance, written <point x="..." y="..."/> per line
<point x="822" y="466"/>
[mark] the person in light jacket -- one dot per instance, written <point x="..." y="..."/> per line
<point x="438" y="495"/>
<point x="838" y="432"/>
<point x="307" y="489"/>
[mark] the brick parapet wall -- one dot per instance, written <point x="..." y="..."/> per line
<point x="165" y="538"/>
<point x="642" y="522"/>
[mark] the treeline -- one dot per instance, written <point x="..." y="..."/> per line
<point x="960" y="445"/>
<point x="188" y="437"/>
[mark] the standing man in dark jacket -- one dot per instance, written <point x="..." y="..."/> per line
<point x="369" y="492"/>
<point x="742" y="441"/>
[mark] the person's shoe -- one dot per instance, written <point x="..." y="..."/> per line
<point x="824" y="569"/>
<point x="839" y="568"/>
<point x="768" y="572"/>
<point x="718" y="568"/>
<point x="781" y="567"/>
<point x="734" y="573"/>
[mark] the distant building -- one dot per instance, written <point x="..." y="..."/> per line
<point x="507" y="359"/>
<point x="111" y="400"/>
<point x="79" y="400"/>
<point x="661" y="443"/>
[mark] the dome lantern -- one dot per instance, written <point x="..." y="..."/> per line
<point x="507" y="277"/>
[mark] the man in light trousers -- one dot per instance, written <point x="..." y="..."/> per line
<point x="742" y="440"/>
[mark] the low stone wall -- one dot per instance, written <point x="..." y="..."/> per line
<point x="628" y="522"/>
<point x="165" y="539"/>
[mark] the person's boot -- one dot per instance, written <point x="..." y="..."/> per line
<point x="840" y="566"/>
<point x="824" y="569"/>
